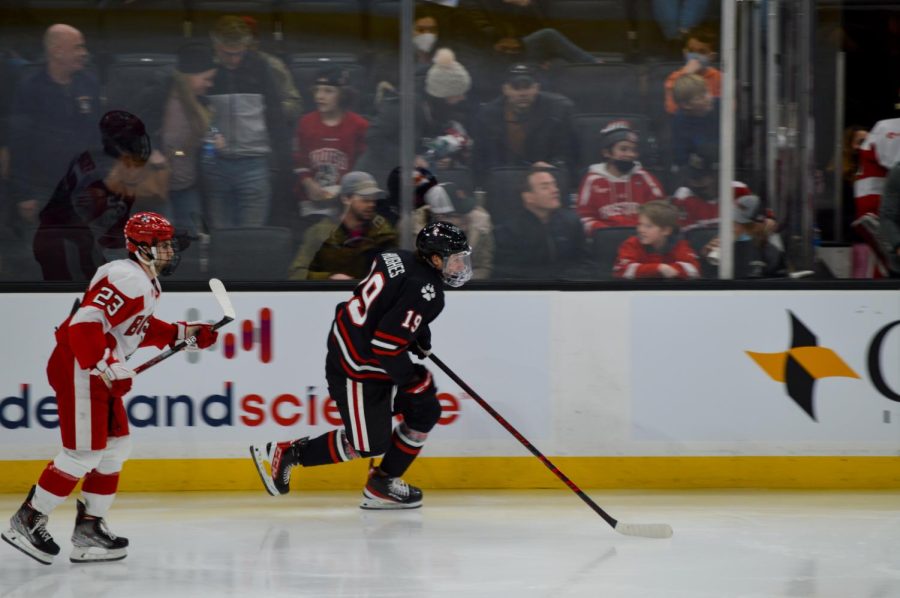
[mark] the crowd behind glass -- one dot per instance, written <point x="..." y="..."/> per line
<point x="270" y="139"/>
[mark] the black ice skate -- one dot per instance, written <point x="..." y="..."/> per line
<point x="281" y="457"/>
<point x="92" y="541"/>
<point x="28" y="533"/>
<point x="384" y="492"/>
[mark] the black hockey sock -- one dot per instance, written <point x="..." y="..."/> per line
<point x="327" y="448"/>
<point x="405" y="447"/>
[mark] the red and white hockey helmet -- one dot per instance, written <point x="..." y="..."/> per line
<point x="147" y="229"/>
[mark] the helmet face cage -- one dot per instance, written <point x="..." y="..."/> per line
<point x="448" y="241"/>
<point x="144" y="233"/>
<point x="457" y="269"/>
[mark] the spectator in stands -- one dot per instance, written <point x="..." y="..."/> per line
<point x="53" y="117"/>
<point x="442" y="120"/>
<point x="656" y="251"/>
<point x="291" y="100"/>
<point x="92" y="202"/>
<point x="327" y="144"/>
<point x="449" y="203"/>
<point x="178" y="119"/>
<point x="889" y="215"/>
<point x="758" y="252"/>
<point x="542" y="240"/>
<point x="345" y="250"/>
<point x="612" y="191"/>
<point x="677" y="18"/>
<point x="698" y="199"/>
<point x="247" y="112"/>
<point x="695" y="127"/>
<point x="517" y="28"/>
<point x="446" y="113"/>
<point x="389" y="206"/>
<point x="426" y="32"/>
<point x="847" y="167"/>
<point x="699" y="55"/>
<point x="522" y="127"/>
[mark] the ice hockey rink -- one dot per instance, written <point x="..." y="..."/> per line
<point x="489" y="543"/>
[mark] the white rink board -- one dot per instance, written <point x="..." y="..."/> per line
<point x="578" y="373"/>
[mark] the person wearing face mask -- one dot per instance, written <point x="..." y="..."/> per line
<point x="699" y="56"/>
<point x="612" y="192"/>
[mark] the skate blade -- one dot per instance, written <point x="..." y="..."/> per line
<point x="17" y="541"/>
<point x="259" y="459"/>
<point x="95" y="554"/>
<point x="373" y="503"/>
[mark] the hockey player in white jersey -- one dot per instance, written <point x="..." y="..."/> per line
<point x="88" y="372"/>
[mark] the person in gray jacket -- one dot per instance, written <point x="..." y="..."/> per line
<point x="248" y="133"/>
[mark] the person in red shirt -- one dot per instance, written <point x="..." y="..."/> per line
<point x="656" y="251"/>
<point x="327" y="143"/>
<point x="612" y="191"/>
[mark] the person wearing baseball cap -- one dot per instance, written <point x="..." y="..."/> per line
<point x="327" y="143"/>
<point x="344" y="250"/>
<point x="524" y="126"/>
<point x="613" y="190"/>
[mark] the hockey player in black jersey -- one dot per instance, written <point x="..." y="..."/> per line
<point x="387" y="317"/>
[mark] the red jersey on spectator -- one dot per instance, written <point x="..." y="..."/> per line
<point x="696" y="211"/>
<point x="327" y="153"/>
<point x="879" y="151"/>
<point x="605" y="200"/>
<point x="641" y="261"/>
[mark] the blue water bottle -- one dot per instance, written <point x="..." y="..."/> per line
<point x="209" y="144"/>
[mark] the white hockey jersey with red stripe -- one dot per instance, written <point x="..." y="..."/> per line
<point x="878" y="153"/>
<point x="116" y="316"/>
<point x="605" y="200"/>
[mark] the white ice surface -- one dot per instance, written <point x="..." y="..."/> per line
<point x="471" y="544"/>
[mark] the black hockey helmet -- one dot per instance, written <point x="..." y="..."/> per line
<point x="450" y="243"/>
<point x="124" y="133"/>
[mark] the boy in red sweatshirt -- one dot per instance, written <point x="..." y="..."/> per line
<point x="656" y="251"/>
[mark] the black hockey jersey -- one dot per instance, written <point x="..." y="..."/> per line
<point x="390" y="309"/>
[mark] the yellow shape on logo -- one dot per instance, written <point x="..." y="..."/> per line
<point x="819" y="362"/>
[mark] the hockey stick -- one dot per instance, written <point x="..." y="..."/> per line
<point x="644" y="530"/>
<point x="218" y="290"/>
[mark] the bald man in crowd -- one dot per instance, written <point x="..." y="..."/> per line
<point x="53" y="117"/>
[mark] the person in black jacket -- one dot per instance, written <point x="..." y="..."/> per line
<point x="542" y="240"/>
<point x="522" y="127"/>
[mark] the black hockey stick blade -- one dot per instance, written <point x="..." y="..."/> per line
<point x="218" y="290"/>
<point x="642" y="530"/>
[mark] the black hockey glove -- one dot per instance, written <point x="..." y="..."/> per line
<point x="420" y="349"/>
<point x="422" y="384"/>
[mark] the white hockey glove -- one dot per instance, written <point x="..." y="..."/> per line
<point x="116" y="376"/>
<point x="202" y="334"/>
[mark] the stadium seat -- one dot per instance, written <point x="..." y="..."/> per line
<point x="605" y="244"/>
<point x="142" y="27"/>
<point x="128" y="74"/>
<point x="461" y="177"/>
<point x="503" y="192"/>
<point x="592" y="24"/>
<point x="322" y="25"/>
<point x="655" y="90"/>
<point x="601" y="87"/>
<point x="698" y="237"/>
<point x="262" y="253"/>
